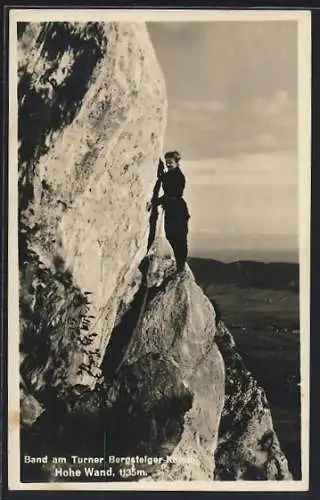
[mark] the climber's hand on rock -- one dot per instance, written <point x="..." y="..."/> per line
<point x="160" y="168"/>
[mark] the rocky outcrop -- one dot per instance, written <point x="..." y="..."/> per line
<point x="144" y="365"/>
<point x="174" y="353"/>
<point x="248" y="447"/>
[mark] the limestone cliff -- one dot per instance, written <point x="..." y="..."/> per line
<point x="92" y="110"/>
<point x="165" y="383"/>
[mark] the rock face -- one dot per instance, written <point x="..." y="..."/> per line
<point x="145" y="370"/>
<point x="92" y="110"/>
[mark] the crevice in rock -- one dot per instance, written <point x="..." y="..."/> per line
<point x="121" y="335"/>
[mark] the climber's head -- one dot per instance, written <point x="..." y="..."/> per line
<point x="172" y="159"/>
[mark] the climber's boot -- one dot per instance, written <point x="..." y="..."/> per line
<point x="181" y="274"/>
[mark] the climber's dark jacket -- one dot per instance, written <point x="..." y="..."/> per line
<point x="176" y="210"/>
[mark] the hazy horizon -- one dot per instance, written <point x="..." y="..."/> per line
<point x="235" y="124"/>
<point x="221" y="248"/>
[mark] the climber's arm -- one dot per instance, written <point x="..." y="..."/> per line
<point x="155" y="202"/>
<point x="160" y="171"/>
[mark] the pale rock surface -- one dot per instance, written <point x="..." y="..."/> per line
<point x="94" y="162"/>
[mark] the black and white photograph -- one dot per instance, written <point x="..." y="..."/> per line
<point x="159" y="205"/>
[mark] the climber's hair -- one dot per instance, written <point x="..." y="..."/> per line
<point x="173" y="154"/>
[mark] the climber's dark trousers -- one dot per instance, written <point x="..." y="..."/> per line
<point x="178" y="239"/>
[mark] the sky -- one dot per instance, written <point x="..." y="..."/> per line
<point x="232" y="114"/>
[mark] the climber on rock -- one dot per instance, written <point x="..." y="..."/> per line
<point x="175" y="208"/>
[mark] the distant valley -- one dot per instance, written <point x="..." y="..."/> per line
<point x="259" y="302"/>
